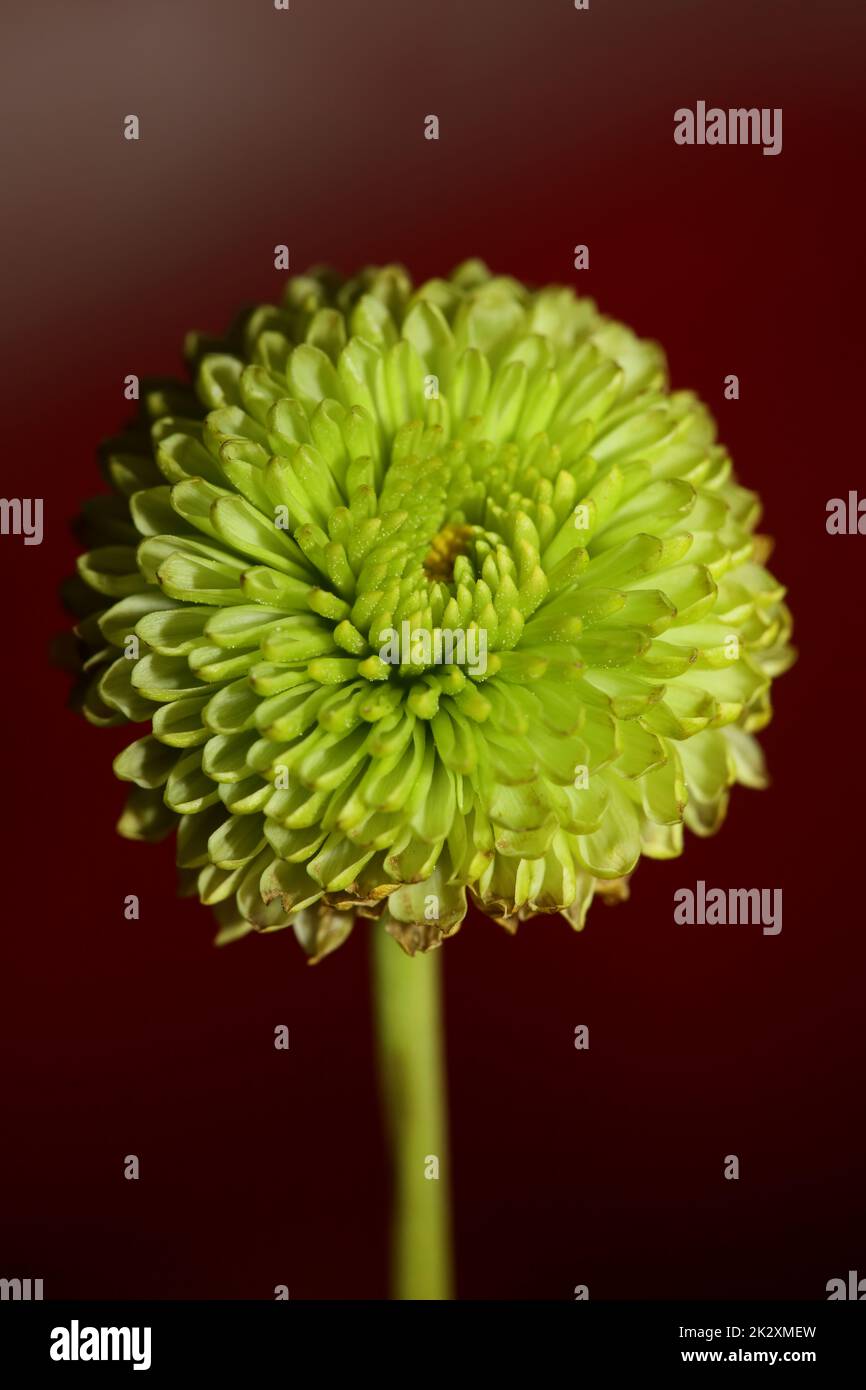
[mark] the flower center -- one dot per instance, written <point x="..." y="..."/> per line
<point x="446" y="545"/>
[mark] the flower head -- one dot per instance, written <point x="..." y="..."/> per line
<point x="422" y="593"/>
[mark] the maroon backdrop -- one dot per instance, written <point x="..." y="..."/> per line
<point x="601" y="1167"/>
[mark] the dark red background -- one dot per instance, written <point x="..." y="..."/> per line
<point x="118" y="1037"/>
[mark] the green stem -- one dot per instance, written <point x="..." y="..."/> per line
<point x="407" y="1003"/>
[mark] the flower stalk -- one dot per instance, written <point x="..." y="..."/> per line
<point x="407" y="1004"/>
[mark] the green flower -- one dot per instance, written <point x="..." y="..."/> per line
<point x="498" y="476"/>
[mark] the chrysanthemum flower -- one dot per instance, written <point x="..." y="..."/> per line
<point x="467" y="458"/>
